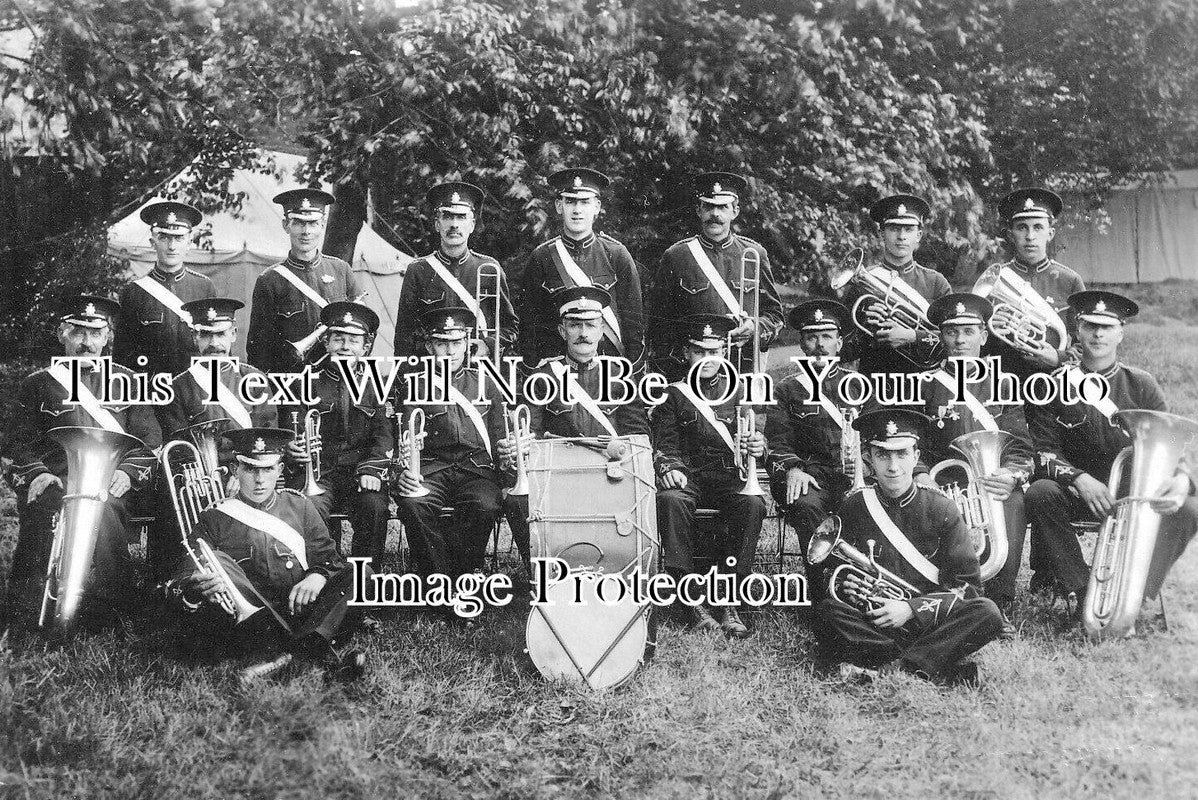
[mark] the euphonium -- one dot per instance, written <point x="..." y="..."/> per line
<point x="519" y="422"/>
<point x="229" y="597"/>
<point x="93" y="454"/>
<point x="410" y="445"/>
<point x="308" y="342"/>
<point x="1127" y="539"/>
<point x="309" y="439"/>
<point x="983" y="514"/>
<point x="828" y="541"/>
<point x="487" y="292"/>
<point x="850" y="450"/>
<point x="1032" y="322"/>
<point x="746" y="424"/>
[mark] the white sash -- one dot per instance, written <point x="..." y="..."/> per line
<point x="269" y="524"/>
<point x="1106" y="406"/>
<point x="448" y="278"/>
<point x="824" y="401"/>
<point x="226" y="399"/>
<point x="575" y="273"/>
<point x="976" y="407"/>
<point x="461" y="401"/>
<point x="713" y="277"/>
<point x="707" y="414"/>
<point x="584" y="399"/>
<point x="304" y="288"/>
<point x="897" y="538"/>
<point x="90" y="404"/>
<point x="163" y="296"/>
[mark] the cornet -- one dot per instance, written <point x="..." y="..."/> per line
<point x="411" y="442"/>
<point x="884" y="584"/>
<point x="518" y="421"/>
<point x="304" y="345"/>
<point x="1030" y="322"/>
<point x="746" y="421"/>
<point x="850" y="450"/>
<point x="984" y="516"/>
<point x="309" y="439"/>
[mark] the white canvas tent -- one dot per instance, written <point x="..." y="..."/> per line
<point x="1152" y="236"/>
<point x="238" y="246"/>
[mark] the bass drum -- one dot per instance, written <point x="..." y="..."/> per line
<point x="596" y="644"/>
<point x="592" y="503"/>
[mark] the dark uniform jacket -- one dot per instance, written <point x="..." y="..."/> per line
<point x="356" y="437"/>
<point x="41" y="406"/>
<point x="932" y="523"/>
<point x="574" y="420"/>
<point x="1077" y="438"/>
<point x="189" y="407"/>
<point x="281" y="314"/>
<point x="685" y="441"/>
<point x="803" y="434"/>
<point x="148" y="328"/>
<point x="453" y="440"/>
<point x="1053" y="281"/>
<point x="609" y="265"/>
<point x="680" y="289"/>
<point x="423" y="290"/>
<point x="873" y="357"/>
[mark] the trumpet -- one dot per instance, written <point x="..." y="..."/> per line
<point x="749" y="290"/>
<point x="487" y="291"/>
<point x="518" y="421"/>
<point x="746" y="465"/>
<point x="828" y="540"/>
<point x="310" y="440"/>
<point x="304" y="345"/>
<point x="850" y="450"/>
<point x="984" y="516"/>
<point x="411" y="442"/>
<point x="899" y="302"/>
<point x="1030" y="321"/>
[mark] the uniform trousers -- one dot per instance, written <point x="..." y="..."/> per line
<point x="367" y="511"/>
<point x="805" y="515"/>
<point x="457" y="545"/>
<point x="741" y="515"/>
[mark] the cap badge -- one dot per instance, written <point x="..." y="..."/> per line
<point x="891" y="428"/>
<point x="707" y="331"/>
<point x="211" y="312"/>
<point x="1029" y="203"/>
<point x="960" y="308"/>
<point x="348" y="318"/>
<point x="259" y="445"/>
<point x="90" y="310"/>
<point x="901" y="210"/>
<point x="455" y="198"/>
<point x="306" y="205"/>
<point x="1100" y="307"/>
<point x="818" y="315"/>
<point x="171" y="219"/>
<point x="577" y="181"/>
<point x="716" y="188"/>
<point x="449" y="323"/>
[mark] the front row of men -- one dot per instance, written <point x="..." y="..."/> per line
<point x="913" y="532"/>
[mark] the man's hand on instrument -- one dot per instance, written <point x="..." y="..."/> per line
<point x="925" y="479"/>
<point x="119" y="484"/>
<point x="204" y="583"/>
<point x="1094" y="494"/>
<point x="744" y="331"/>
<point x="406" y="483"/>
<point x="232" y="486"/>
<point x="893" y="334"/>
<point x="890" y="613"/>
<point x="798" y="483"/>
<point x="999" y="485"/>
<point x="754" y="447"/>
<point x="297" y="452"/>
<point x="857" y="589"/>
<point x="369" y="483"/>
<point x="304" y="592"/>
<point x="41" y="483"/>
<point x="1044" y="354"/>
<point x="1172" y="496"/>
<point x="674" y="479"/>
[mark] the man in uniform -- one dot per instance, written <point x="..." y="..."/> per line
<point x="153" y="325"/>
<point x="895" y="347"/>
<point x="449" y="276"/>
<point x="288" y="586"/>
<point x="702" y="275"/>
<point x="215" y="331"/>
<point x="581" y="257"/>
<point x="807" y="433"/>
<point x="697" y="461"/>
<point x="1076" y="445"/>
<point x="355" y="438"/>
<point x="581" y="329"/>
<point x="917" y="534"/>
<point x="39" y="470"/>
<point x="962" y="319"/>
<point x="288" y="297"/>
<point x="456" y="463"/>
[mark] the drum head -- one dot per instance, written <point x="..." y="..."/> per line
<point x="595" y="644"/>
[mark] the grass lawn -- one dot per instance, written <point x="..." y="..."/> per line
<point x="459" y="713"/>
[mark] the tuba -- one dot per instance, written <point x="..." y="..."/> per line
<point x="746" y="465"/>
<point x="518" y="421"/>
<point x="983" y="514"/>
<point x="898" y="301"/>
<point x="828" y="540"/>
<point x="93" y="454"/>
<point x="410" y="444"/>
<point x="487" y="291"/>
<point x="1125" y="543"/>
<point x="850" y="450"/>
<point x="1032" y="321"/>
<point x="310" y="439"/>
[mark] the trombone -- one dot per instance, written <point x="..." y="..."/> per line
<point x="309" y="439"/>
<point x="487" y="292"/>
<point x="749" y="290"/>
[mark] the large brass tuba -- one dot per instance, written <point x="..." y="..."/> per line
<point x="1031" y="321"/>
<point x="897" y="300"/>
<point x="828" y="541"/>
<point x="1127" y="539"/>
<point x="309" y="439"/>
<point x="983" y="514"/>
<point x="93" y="454"/>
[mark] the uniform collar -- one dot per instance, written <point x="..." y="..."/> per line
<point x="265" y="505"/>
<point x="714" y="245"/>
<point x="167" y="277"/>
<point x="907" y="267"/>
<point x="579" y="244"/>
<point x="450" y="261"/>
<point x="295" y="263"/>
<point x="1108" y="373"/>
<point x="578" y="366"/>
<point x="902" y="501"/>
<point x="1038" y="267"/>
<point x="714" y="383"/>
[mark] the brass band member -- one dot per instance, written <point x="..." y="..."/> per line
<point x="697" y="457"/>
<point x="897" y="348"/>
<point x="581" y="329"/>
<point x="1076" y="445"/>
<point x="152" y="322"/>
<point x="807" y="439"/>
<point x="702" y="275"/>
<point x="961" y="319"/>
<point x="355" y="438"/>
<point x="289" y="585"/>
<point x="917" y="535"/>
<point x="288" y="297"/>
<point x="214" y="329"/>
<point x="38" y="472"/>
<point x="581" y="257"/>
<point x="456" y="463"/>
<point x="449" y="276"/>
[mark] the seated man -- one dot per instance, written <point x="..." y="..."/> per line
<point x="287" y="588"/>
<point x="39" y="469"/>
<point x="456" y="465"/>
<point x="698" y="462"/>
<point x="917" y="534"/>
